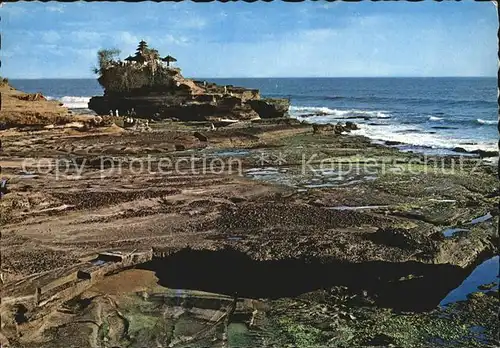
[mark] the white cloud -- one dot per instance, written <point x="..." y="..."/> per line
<point x="127" y="39"/>
<point x="50" y="36"/>
<point x="169" y="39"/>
<point x="86" y="36"/>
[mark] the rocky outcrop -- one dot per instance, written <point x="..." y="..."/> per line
<point x="270" y="108"/>
<point x="479" y="152"/>
<point x="190" y="100"/>
<point x="338" y="128"/>
<point x="168" y="107"/>
<point x="351" y="125"/>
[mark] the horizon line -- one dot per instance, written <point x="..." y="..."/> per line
<point x="268" y="77"/>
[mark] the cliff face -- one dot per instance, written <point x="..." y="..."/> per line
<point x="189" y="100"/>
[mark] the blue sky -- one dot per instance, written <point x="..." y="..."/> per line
<point x="50" y="40"/>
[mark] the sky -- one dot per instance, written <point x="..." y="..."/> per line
<point x="275" y="39"/>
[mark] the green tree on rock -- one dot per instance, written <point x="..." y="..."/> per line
<point x="142" y="70"/>
<point x="105" y="59"/>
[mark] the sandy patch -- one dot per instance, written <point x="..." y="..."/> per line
<point x="129" y="281"/>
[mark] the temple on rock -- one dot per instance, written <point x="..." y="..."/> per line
<point x="154" y="88"/>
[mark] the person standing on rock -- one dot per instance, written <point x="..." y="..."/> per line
<point x="3" y="187"/>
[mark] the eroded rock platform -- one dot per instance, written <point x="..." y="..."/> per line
<point x="370" y="221"/>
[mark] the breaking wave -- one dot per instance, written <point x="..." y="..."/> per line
<point x="312" y="111"/>
<point x="481" y="121"/>
<point x="411" y="134"/>
<point x="407" y="135"/>
<point x="71" y="102"/>
<point x="434" y="118"/>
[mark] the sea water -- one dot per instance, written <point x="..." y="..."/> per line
<point x="433" y="113"/>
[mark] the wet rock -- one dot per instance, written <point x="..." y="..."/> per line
<point x="168" y="106"/>
<point x="476" y="295"/>
<point x="401" y="238"/>
<point x="484" y="153"/>
<point x="351" y="125"/>
<point x="381" y="340"/>
<point x="481" y="153"/>
<point x="323" y="128"/>
<point x="333" y="128"/>
<point x="200" y="136"/>
<point x="282" y="121"/>
<point x="391" y="142"/>
<point x="270" y="108"/>
<point x="20" y="315"/>
<point x="3" y="187"/>
<point x="487" y="286"/>
<point x="459" y="149"/>
<point x="319" y="113"/>
<point x="237" y="199"/>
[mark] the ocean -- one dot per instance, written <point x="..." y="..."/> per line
<point x="423" y="114"/>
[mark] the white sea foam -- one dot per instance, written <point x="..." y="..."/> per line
<point x="481" y="121"/>
<point x="409" y="134"/>
<point x="72" y="102"/>
<point x="397" y="133"/>
<point x="304" y="110"/>
<point x="317" y="111"/>
<point x="434" y="118"/>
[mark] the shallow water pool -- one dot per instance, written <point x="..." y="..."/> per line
<point x="485" y="273"/>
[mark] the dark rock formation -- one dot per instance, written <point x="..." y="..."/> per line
<point x="351" y="125"/>
<point x="270" y="108"/>
<point x="459" y="149"/>
<point x="200" y="136"/>
<point x="334" y="128"/>
<point x="393" y="142"/>
<point x="325" y="128"/>
<point x="485" y="153"/>
<point x="480" y="153"/>
<point x="174" y="96"/>
<point x="144" y="86"/>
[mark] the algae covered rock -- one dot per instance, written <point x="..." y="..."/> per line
<point x="338" y="128"/>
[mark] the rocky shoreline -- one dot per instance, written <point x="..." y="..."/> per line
<point x="315" y="237"/>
